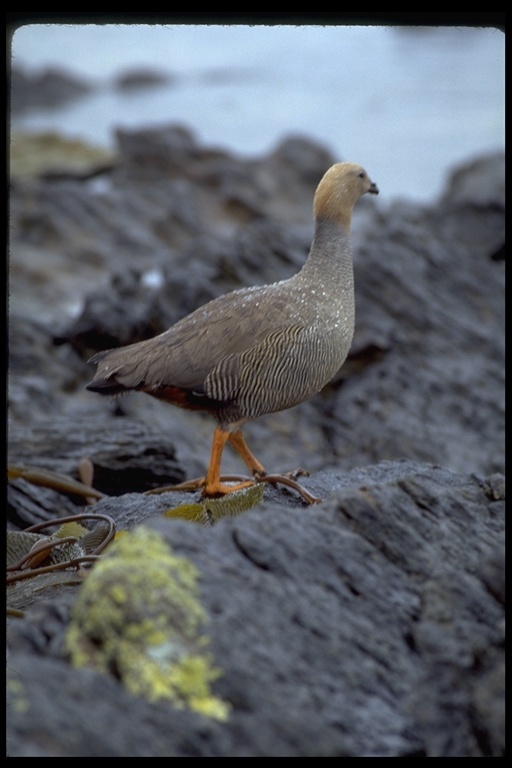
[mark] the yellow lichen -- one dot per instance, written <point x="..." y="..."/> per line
<point x="138" y="616"/>
<point x="17" y="697"/>
<point x="34" y="154"/>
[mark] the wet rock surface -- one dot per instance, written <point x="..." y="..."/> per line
<point x="371" y="624"/>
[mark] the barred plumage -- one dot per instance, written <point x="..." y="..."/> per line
<point x="256" y="350"/>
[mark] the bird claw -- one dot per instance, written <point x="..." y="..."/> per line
<point x="187" y="485"/>
<point x="286" y="479"/>
<point x="199" y="483"/>
<point x="295" y="473"/>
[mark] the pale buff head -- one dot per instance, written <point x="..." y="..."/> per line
<point x="339" y="190"/>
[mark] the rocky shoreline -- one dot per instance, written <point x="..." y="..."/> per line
<point x="371" y="624"/>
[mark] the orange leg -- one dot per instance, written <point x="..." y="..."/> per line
<point x="258" y="470"/>
<point x="216" y="485"/>
<point x="213" y="485"/>
<point x="238" y="442"/>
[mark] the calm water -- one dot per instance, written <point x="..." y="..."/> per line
<point x="407" y="104"/>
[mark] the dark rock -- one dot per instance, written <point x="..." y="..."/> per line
<point x="156" y="154"/>
<point x="374" y="619"/>
<point x="137" y="305"/>
<point x="127" y="310"/>
<point x="141" y="79"/>
<point x="480" y="182"/>
<point x="50" y="88"/>
<point x="425" y="376"/>
<point x="366" y="618"/>
<point x="126" y="456"/>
